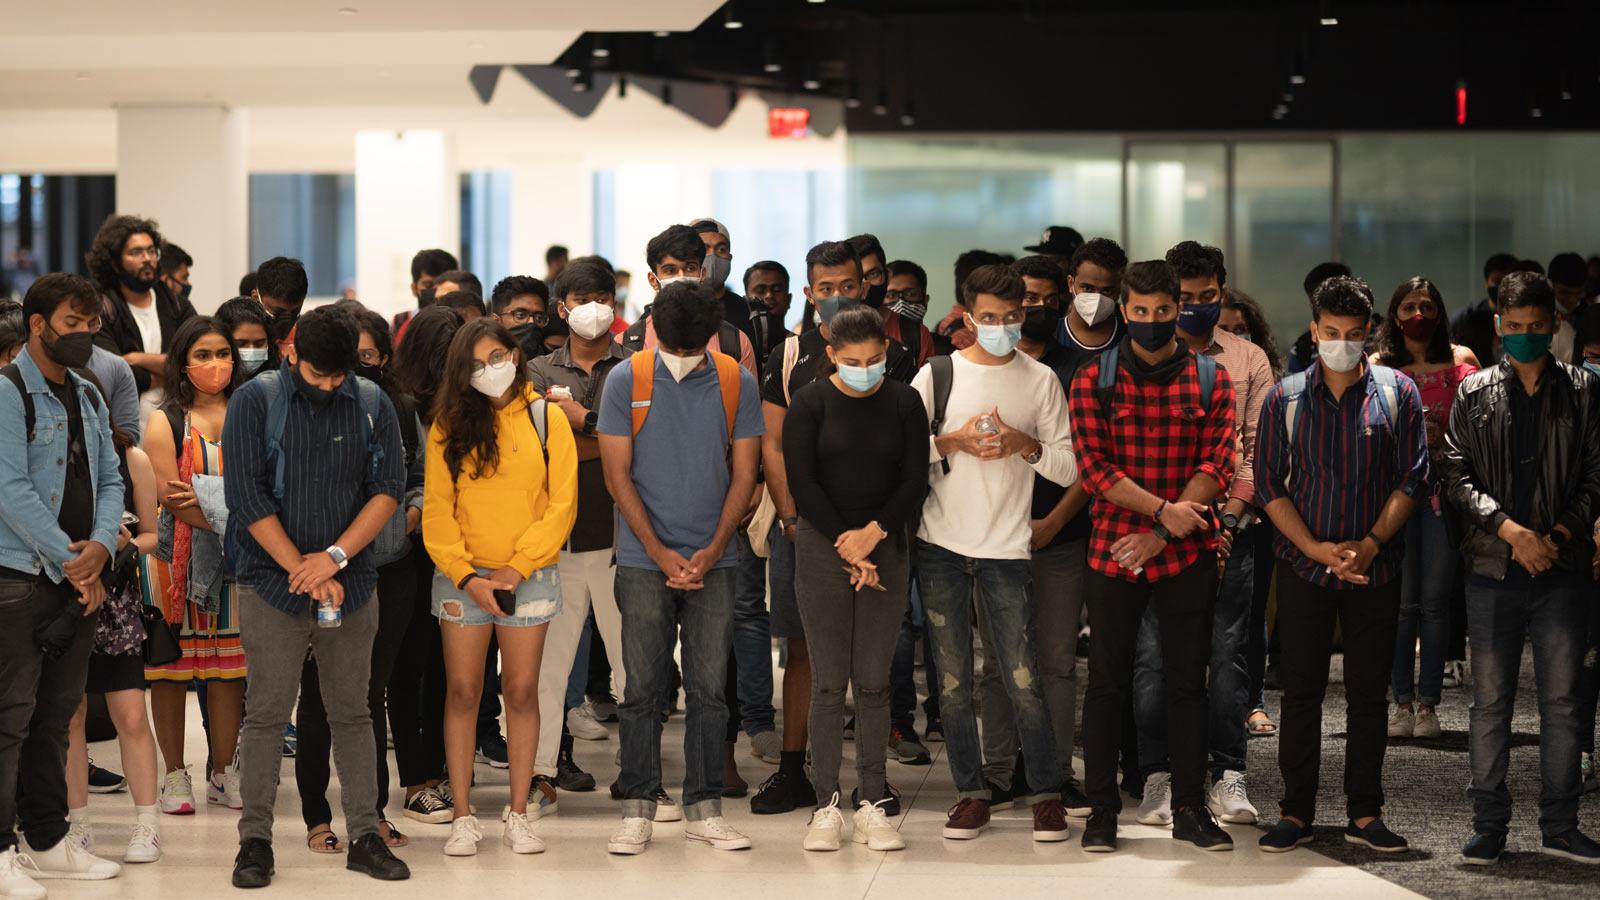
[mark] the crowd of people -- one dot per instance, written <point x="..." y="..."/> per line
<point x="519" y="502"/>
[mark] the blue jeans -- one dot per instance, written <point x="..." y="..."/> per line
<point x="578" y="680"/>
<point x="1004" y="589"/>
<point x="1228" y="684"/>
<point x="752" y="640"/>
<point x="1426" y="577"/>
<point x="1552" y="614"/>
<point x="903" y="700"/>
<point x="652" y="615"/>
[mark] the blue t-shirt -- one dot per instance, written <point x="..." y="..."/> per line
<point x="680" y="456"/>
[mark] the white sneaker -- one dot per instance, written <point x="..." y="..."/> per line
<point x="717" y="832"/>
<point x="1427" y="724"/>
<point x="224" y="791"/>
<point x="465" y="833"/>
<point x="1156" y="808"/>
<point x="80" y="832"/>
<point x="16" y="877"/>
<point x="177" y="793"/>
<point x="826" y="830"/>
<point x="145" y="844"/>
<point x="1402" y="723"/>
<point x="1228" y="801"/>
<point x="519" y="835"/>
<point x="667" y="809"/>
<point x="584" y="726"/>
<point x="68" y="860"/>
<point x="874" y="829"/>
<point x="630" y="838"/>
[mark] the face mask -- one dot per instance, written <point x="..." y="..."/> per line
<point x="183" y="292"/>
<point x="915" y="311"/>
<point x="1494" y="293"/>
<point x="673" y="280"/>
<point x="1244" y="336"/>
<point x="828" y="307"/>
<point x="317" y="396"/>
<point x="681" y="366"/>
<point x="556" y="328"/>
<point x="1199" y="318"/>
<point x="1592" y="367"/>
<point x="530" y="338"/>
<point x="370" y="372"/>
<point x="714" y="271"/>
<point x="996" y="340"/>
<point x="252" y="358"/>
<point x="281" y="323"/>
<point x="70" y="350"/>
<point x="591" y="320"/>
<point x="1093" y="308"/>
<point x="425" y="298"/>
<point x="1418" y="328"/>
<point x="1340" y="356"/>
<point x="862" y="378"/>
<point x="622" y="295"/>
<point x="1040" y="323"/>
<point x="134" y="283"/>
<point x="875" y="294"/>
<point x="493" y="380"/>
<point x="1152" y="336"/>
<point x="211" y="377"/>
<point x="1526" y="348"/>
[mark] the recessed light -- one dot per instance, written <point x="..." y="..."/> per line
<point x="82" y="76"/>
<point x="348" y="10"/>
<point x="1330" y="21"/>
<point x="663" y="34"/>
<point x="812" y="84"/>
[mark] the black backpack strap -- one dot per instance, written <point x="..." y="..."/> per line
<point x="943" y="372"/>
<point x="633" y="338"/>
<point x="1106" y="382"/>
<point x="728" y="339"/>
<point x="1206" y="371"/>
<point x="175" y="420"/>
<point x="14" y="374"/>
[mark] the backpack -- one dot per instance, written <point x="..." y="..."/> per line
<point x="727" y="335"/>
<point x="14" y="374"/>
<point x="1105" y="385"/>
<point x="1293" y="388"/>
<point x="644" y="385"/>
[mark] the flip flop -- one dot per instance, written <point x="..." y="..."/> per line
<point x="1262" y="727"/>
<point x="323" y="840"/>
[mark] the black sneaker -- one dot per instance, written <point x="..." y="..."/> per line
<point x="492" y="751"/>
<point x="1376" y="836"/>
<point x="1083" y="645"/>
<point x="428" y="807"/>
<point x="1075" y="801"/>
<point x="252" y="868"/>
<point x="104" y="781"/>
<point x="1195" y="825"/>
<point x="1001" y="797"/>
<point x="934" y="733"/>
<point x="1483" y="849"/>
<point x="569" y="777"/>
<point x="370" y="856"/>
<point x="616" y="790"/>
<point x="783" y="793"/>
<point x="1285" y="836"/>
<point x="891" y="804"/>
<point x="1133" y="784"/>
<point x="1100" y="833"/>
<point x="1574" y="846"/>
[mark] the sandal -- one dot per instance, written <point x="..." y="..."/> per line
<point x="323" y="840"/>
<point x="391" y="835"/>
<point x="1260" y="724"/>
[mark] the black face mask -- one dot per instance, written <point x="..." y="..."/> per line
<point x="1152" y="336"/>
<point x="281" y="323"/>
<point x="1494" y="293"/>
<point x="425" y="298"/>
<point x="134" y="283"/>
<point x="530" y="338"/>
<point x="183" y="291"/>
<point x="558" y="327"/>
<point x="1039" y="325"/>
<point x="875" y="294"/>
<point x="318" y="397"/>
<point x="70" y="350"/>
<point x="371" y="373"/>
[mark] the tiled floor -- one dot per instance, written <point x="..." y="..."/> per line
<point x="1003" y="863"/>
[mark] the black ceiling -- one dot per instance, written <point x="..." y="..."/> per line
<point x="1140" y="65"/>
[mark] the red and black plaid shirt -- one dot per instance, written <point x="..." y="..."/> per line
<point x="1161" y="436"/>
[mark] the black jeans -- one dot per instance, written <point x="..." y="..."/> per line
<point x="396" y="597"/>
<point x="38" y="696"/>
<point x="416" y="684"/>
<point x="1368" y="619"/>
<point x="1183" y="606"/>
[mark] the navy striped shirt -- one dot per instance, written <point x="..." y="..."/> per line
<point x="327" y="480"/>
<point x="1344" y="460"/>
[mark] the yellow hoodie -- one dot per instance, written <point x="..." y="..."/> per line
<point x="513" y="516"/>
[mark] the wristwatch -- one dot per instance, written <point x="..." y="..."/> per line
<point x="338" y="555"/>
<point x="1033" y="458"/>
<point x="590" y="421"/>
<point x="790" y="522"/>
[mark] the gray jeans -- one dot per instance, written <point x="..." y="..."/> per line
<point x="1057" y="609"/>
<point x="851" y="636"/>
<point x="275" y="644"/>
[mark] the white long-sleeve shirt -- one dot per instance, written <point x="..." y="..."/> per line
<point x="981" y="509"/>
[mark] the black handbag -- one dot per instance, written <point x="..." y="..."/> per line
<point x="160" y="638"/>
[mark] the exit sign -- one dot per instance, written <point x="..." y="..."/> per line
<point x="788" y="122"/>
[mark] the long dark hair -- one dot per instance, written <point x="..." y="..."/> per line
<point x="418" y="364"/>
<point x="104" y="257"/>
<point x="1256" y="321"/>
<point x="463" y="414"/>
<point x="181" y="393"/>
<point x="377" y="328"/>
<point x="1391" y="341"/>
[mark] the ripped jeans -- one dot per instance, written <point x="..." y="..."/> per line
<point x="851" y="635"/>
<point x="1005" y="590"/>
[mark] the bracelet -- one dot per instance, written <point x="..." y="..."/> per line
<point x="1159" y="510"/>
<point x="789" y="522"/>
<point x="1375" y="540"/>
<point x="462" y="584"/>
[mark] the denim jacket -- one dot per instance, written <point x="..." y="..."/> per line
<point x="33" y="475"/>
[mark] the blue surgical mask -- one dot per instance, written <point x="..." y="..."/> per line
<point x="1593" y="367"/>
<point x="862" y="378"/>
<point x="998" y="340"/>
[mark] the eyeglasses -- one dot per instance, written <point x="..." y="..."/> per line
<point x="143" y="253"/>
<point x="525" y="316"/>
<point x="370" y="357"/>
<point x="497" y="358"/>
<point x="910" y="295"/>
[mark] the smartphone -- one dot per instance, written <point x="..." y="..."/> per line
<point x="507" y="601"/>
<point x="851" y="571"/>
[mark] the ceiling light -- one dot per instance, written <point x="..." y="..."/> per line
<point x="908" y="117"/>
<point x="730" y="18"/>
<point x="852" y="99"/>
<point x="769" y="56"/>
<point x="1536" y="113"/>
<point x="811" y="84"/>
<point x="574" y="71"/>
<point x="1288" y="96"/>
<point x="663" y="34"/>
<point x="1330" y="21"/>
<point x="1280" y="111"/>
<point x="881" y="108"/>
<point x="348" y="10"/>
<point x="772" y="68"/>
<point x="1297" y="78"/>
<point x="600" y="50"/>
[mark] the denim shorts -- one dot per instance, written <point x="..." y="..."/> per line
<point x="538" y="601"/>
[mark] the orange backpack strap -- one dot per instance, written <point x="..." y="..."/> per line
<point x="728" y="380"/>
<point x="644" y="385"/>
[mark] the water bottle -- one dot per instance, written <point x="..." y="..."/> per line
<point x="328" y="615"/>
<point x="986" y="425"/>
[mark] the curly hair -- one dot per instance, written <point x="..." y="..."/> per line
<point x="463" y="415"/>
<point x="104" y="259"/>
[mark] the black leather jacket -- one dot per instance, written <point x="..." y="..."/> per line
<point x="119" y="333"/>
<point x="1478" y="459"/>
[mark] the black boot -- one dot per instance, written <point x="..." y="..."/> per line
<point x="371" y="856"/>
<point x="569" y="776"/>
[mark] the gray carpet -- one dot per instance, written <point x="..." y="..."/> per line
<point x="1425" y="783"/>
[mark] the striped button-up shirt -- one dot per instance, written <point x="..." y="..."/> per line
<point x="327" y="479"/>
<point x="1341" y="464"/>
<point x="1251" y="374"/>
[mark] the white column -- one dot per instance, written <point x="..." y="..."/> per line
<point x="185" y="167"/>
<point x="407" y="199"/>
<point x="552" y="202"/>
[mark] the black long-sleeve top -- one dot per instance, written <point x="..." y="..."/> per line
<point x="854" y="460"/>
